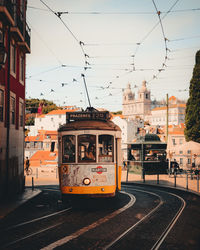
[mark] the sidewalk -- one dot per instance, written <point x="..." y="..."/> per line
<point x="181" y="181"/>
<point x="52" y="179"/>
<point x="10" y="205"/>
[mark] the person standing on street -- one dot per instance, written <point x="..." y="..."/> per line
<point x="27" y="164"/>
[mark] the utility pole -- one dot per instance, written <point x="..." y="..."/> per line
<point x="167" y="121"/>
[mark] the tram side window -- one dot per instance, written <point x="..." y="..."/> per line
<point x="68" y="148"/>
<point x="87" y="148"/>
<point x="106" y="153"/>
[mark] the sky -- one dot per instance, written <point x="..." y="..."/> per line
<point x="106" y="44"/>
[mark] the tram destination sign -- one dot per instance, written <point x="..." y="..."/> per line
<point x="80" y="116"/>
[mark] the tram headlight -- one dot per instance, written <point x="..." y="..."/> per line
<point x="86" y="181"/>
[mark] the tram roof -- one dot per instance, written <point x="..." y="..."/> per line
<point x="89" y="125"/>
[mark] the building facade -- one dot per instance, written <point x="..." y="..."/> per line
<point x="130" y="131"/>
<point x="138" y="107"/>
<point x="15" y="43"/>
<point x="141" y="107"/>
<point x="176" y="113"/>
<point x="51" y="121"/>
<point x="185" y="153"/>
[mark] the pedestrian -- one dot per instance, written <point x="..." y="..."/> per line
<point x="27" y="164"/>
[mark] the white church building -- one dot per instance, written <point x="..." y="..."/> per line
<point x="139" y="107"/>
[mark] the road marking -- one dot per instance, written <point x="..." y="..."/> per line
<point x="91" y="226"/>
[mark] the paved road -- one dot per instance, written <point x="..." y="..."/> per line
<point x="144" y="217"/>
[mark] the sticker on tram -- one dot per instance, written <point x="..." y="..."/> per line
<point x="99" y="170"/>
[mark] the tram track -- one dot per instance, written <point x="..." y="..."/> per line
<point x="165" y="232"/>
<point x="30" y="224"/>
<point x="136" y="225"/>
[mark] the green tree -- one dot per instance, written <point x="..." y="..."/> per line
<point x="117" y="112"/>
<point x="192" y="117"/>
<point x="33" y="104"/>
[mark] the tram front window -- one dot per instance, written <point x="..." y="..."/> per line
<point x="106" y="148"/>
<point x="87" y="148"/>
<point x="68" y="148"/>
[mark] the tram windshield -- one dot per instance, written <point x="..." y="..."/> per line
<point x="68" y="148"/>
<point x="87" y="148"/>
<point x="106" y="148"/>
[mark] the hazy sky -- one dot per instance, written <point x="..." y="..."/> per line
<point x="113" y="43"/>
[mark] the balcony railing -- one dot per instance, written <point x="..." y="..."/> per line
<point x="20" y="25"/>
<point x="9" y="5"/>
<point x="27" y="35"/>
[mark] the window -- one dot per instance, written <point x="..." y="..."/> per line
<point x="174" y="141"/>
<point x="189" y="151"/>
<point x="52" y="119"/>
<point x="180" y="152"/>
<point x="13" y="59"/>
<point x="87" y="148"/>
<point x="12" y="110"/>
<point x="189" y="161"/>
<point x="22" y="67"/>
<point x="1" y="104"/>
<point x="147" y="96"/>
<point x="1" y="37"/>
<point x="106" y="143"/>
<point x="21" y="114"/>
<point x="181" y="161"/>
<point x="68" y="148"/>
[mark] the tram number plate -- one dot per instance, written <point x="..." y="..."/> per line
<point x="99" y="170"/>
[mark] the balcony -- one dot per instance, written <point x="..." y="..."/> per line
<point x="21" y="33"/>
<point x="7" y="11"/>
<point x="25" y="44"/>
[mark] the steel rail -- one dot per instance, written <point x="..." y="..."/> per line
<point x="167" y="229"/>
<point x="171" y="224"/>
<point x="139" y="222"/>
<point x="37" y="219"/>
<point x="91" y="226"/>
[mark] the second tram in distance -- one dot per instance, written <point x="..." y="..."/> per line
<point x="89" y="159"/>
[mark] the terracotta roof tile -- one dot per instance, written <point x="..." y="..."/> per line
<point x="44" y="156"/>
<point x="61" y="111"/>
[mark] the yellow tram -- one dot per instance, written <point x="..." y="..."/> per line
<point x="89" y="159"/>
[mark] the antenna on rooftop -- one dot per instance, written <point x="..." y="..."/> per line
<point x="86" y="89"/>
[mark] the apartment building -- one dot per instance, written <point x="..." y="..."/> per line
<point x="14" y="45"/>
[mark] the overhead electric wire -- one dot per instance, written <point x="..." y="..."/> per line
<point x="45" y="71"/>
<point x="164" y="38"/>
<point x="46" y="44"/>
<point x="82" y="44"/>
<point x="112" y="13"/>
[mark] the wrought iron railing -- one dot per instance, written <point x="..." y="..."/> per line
<point x="9" y="5"/>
